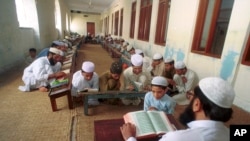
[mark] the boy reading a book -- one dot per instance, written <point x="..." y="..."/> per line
<point x="209" y="108"/>
<point x="157" y="99"/>
<point x="84" y="80"/>
<point x="135" y="79"/>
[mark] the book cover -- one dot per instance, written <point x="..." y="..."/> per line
<point x="59" y="82"/>
<point x="149" y="123"/>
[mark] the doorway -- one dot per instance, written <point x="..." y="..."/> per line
<point x="91" y="28"/>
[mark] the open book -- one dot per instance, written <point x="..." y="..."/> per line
<point x="149" y="123"/>
<point x="59" y="82"/>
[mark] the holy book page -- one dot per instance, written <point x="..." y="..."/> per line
<point x="149" y="123"/>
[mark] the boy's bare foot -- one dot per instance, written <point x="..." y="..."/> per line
<point x="43" y="89"/>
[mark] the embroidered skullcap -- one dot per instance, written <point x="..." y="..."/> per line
<point x="88" y="66"/>
<point x="138" y="51"/>
<point x="179" y="65"/>
<point x="168" y="60"/>
<point x="218" y="91"/>
<point x="136" y="60"/>
<point x="157" y="56"/>
<point x="159" y="80"/>
<point x="129" y="47"/>
<point x="116" y="68"/>
<point x="54" y="50"/>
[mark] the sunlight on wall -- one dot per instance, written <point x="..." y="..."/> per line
<point x="58" y="16"/>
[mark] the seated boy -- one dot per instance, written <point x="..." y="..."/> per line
<point x="31" y="57"/>
<point x="157" y="99"/>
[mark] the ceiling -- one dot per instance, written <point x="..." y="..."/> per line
<point x="88" y="6"/>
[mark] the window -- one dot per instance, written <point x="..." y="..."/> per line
<point x="162" y="19"/>
<point x="211" y="27"/>
<point x="132" y="24"/>
<point x="112" y="25"/>
<point x="58" y="16"/>
<point x="121" y="22"/>
<point x="26" y="13"/>
<point x="145" y="19"/>
<point x="116" y="22"/>
<point x="106" y="25"/>
<point x="246" y="55"/>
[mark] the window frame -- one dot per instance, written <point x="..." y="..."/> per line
<point x="132" y="22"/>
<point x="162" y="22"/>
<point x="145" y="20"/>
<point x="121" y="22"/>
<point x="199" y="27"/>
<point x="246" y="54"/>
<point x="116" y="22"/>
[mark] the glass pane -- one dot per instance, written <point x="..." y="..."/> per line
<point x="207" y="24"/>
<point x="221" y="26"/>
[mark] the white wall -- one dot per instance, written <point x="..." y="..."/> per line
<point x="79" y="23"/>
<point x="179" y="41"/>
<point x="15" y="41"/>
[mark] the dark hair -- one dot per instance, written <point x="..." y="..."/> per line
<point x="116" y="68"/>
<point x="213" y="111"/>
<point x="32" y="50"/>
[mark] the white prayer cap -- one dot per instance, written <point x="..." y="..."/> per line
<point x="159" y="80"/>
<point x="218" y="91"/>
<point x="129" y="47"/>
<point x="136" y="60"/>
<point x="88" y="66"/>
<point x="54" y="50"/>
<point x="138" y="51"/>
<point x="157" y="56"/>
<point x="179" y="65"/>
<point x="168" y="60"/>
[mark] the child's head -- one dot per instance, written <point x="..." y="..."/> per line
<point x="159" y="86"/>
<point x="32" y="52"/>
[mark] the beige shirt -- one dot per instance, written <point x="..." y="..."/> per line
<point x="130" y="78"/>
<point x="159" y="70"/>
<point x="106" y="82"/>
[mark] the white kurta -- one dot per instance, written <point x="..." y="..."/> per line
<point x="130" y="78"/>
<point x="192" y="81"/>
<point x="37" y="73"/>
<point x="147" y="63"/>
<point x="79" y="84"/>
<point x="201" y="130"/>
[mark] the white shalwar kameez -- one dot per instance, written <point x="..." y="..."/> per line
<point x="79" y="83"/>
<point x="36" y="74"/>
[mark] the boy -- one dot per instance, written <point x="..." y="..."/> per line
<point x="86" y="78"/>
<point x="157" y="99"/>
<point x="31" y="57"/>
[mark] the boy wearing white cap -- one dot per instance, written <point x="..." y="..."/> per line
<point x="185" y="79"/>
<point x="157" y="99"/>
<point x="146" y="60"/>
<point x="40" y="72"/>
<point x="85" y="79"/>
<point x="158" y="66"/>
<point x="130" y="51"/>
<point x="210" y="107"/>
<point x="169" y="74"/>
<point x="135" y="78"/>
